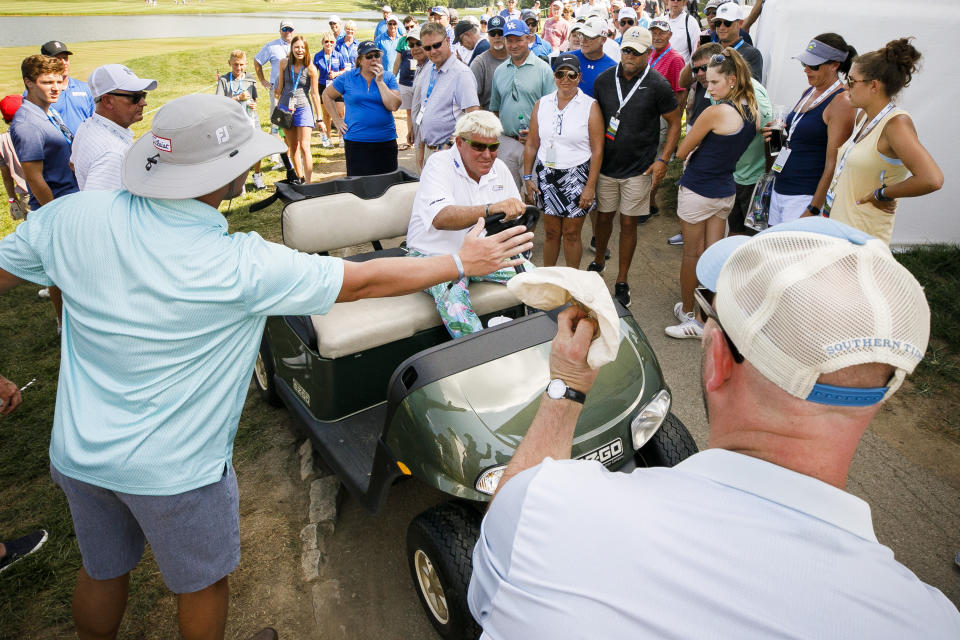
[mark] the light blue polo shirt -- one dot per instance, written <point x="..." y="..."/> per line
<point x="517" y="89"/>
<point x="163" y="312"/>
<point x="75" y="103"/>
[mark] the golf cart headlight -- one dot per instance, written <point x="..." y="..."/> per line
<point x="489" y="479"/>
<point x="646" y="423"/>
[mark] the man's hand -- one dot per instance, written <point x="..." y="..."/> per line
<point x="482" y="256"/>
<point x="9" y="396"/>
<point x="568" y="351"/>
<point x="513" y="207"/>
<point x="658" y="169"/>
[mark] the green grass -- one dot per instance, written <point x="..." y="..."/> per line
<point x="166" y="7"/>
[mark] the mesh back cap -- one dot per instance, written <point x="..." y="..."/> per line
<point x="813" y="296"/>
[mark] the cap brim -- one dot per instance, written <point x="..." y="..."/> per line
<point x="712" y="260"/>
<point x="177" y="182"/>
<point x="140" y="84"/>
<point x="809" y="59"/>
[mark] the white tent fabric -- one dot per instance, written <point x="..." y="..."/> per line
<point x="786" y="26"/>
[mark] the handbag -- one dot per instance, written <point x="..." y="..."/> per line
<point x="759" y="214"/>
<point x="281" y="117"/>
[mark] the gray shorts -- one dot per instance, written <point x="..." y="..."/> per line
<point x="194" y="536"/>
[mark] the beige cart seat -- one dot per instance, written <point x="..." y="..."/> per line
<point x="343" y="220"/>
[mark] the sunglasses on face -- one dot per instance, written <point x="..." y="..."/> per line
<point x="413" y="43"/>
<point x="480" y="147"/>
<point x="134" y="98"/>
<point x="496" y="33"/>
<point x="851" y="81"/>
<point x="703" y="300"/>
<point x="435" y="45"/>
<point x="627" y="21"/>
<point x="717" y="23"/>
<point x="532" y="24"/>
<point x="329" y="42"/>
<point x="569" y="75"/>
<point x="373" y="55"/>
<point x="630" y="52"/>
<point x="699" y="69"/>
<point x="286" y="30"/>
<point x="812" y="67"/>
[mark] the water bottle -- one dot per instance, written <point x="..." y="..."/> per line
<point x="523" y="129"/>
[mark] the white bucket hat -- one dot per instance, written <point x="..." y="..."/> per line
<point x="197" y="144"/>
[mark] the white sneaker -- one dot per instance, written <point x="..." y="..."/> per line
<point x="44" y="293"/>
<point x="258" y="182"/>
<point x="325" y="141"/>
<point x="278" y="167"/>
<point x="678" y="312"/>
<point x="689" y="328"/>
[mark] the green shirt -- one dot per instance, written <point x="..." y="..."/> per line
<point x="516" y="89"/>
<point x="752" y="163"/>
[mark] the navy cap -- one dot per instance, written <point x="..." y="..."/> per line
<point x="366" y="47"/>
<point x="529" y="14"/>
<point x="496" y="23"/>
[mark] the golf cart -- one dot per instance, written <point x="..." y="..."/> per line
<point x="384" y="392"/>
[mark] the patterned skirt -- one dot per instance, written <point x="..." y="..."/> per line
<point x="560" y="190"/>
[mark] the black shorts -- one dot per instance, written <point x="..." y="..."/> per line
<point x="741" y="206"/>
<point x="370" y="158"/>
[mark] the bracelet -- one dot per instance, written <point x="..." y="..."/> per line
<point x="528" y="176"/>
<point x="881" y="196"/>
<point x="459" y="263"/>
<point x="814" y="210"/>
<point x="662" y="160"/>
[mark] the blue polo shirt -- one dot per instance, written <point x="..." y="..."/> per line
<point x="367" y="119"/>
<point x="75" y="103"/>
<point x="540" y="47"/>
<point x="163" y="312"/>
<point x="336" y="64"/>
<point x="348" y="51"/>
<point x="590" y="69"/>
<point x="37" y="138"/>
<point x="388" y="47"/>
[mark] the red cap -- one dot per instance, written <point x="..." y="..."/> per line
<point x="9" y="106"/>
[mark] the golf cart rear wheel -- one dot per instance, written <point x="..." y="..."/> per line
<point x="440" y="551"/>
<point x="671" y="444"/>
<point x="263" y="375"/>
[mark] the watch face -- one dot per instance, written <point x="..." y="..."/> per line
<point x="556" y="388"/>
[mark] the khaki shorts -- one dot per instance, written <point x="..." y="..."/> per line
<point x="694" y="208"/>
<point x="629" y="196"/>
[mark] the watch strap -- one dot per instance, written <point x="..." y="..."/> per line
<point x="576" y="396"/>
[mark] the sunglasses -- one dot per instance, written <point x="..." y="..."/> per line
<point x="630" y="52"/>
<point x="812" y="67"/>
<point x="850" y="81"/>
<point x="413" y="43"/>
<point x="373" y="55"/>
<point x="329" y="42"/>
<point x="480" y="147"/>
<point x="134" y="98"/>
<point x="703" y="300"/>
<point x="726" y="23"/>
<point x="496" y="33"/>
<point x="699" y="68"/>
<point x="569" y="75"/>
<point x="627" y="21"/>
<point x="717" y="58"/>
<point x="435" y="45"/>
<point x="286" y="30"/>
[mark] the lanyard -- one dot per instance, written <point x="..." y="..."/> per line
<point x="296" y="83"/>
<point x="99" y="121"/>
<point x="739" y="44"/>
<point x="434" y="73"/>
<point x="616" y="82"/>
<point x="798" y="115"/>
<point x="857" y="136"/>
<point x="234" y="90"/>
<point x="665" y="52"/>
<point x="54" y="119"/>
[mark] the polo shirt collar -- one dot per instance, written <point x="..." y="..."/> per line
<point x="189" y="208"/>
<point x="451" y="60"/>
<point x="123" y="132"/>
<point x="526" y="61"/>
<point x="794" y="490"/>
<point x="30" y="106"/>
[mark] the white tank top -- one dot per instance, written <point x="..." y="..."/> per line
<point x="564" y="134"/>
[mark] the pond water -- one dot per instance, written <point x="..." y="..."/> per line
<point x="27" y="31"/>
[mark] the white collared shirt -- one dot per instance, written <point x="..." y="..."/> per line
<point x="721" y="546"/>
<point x="444" y="182"/>
<point x="97" y="153"/>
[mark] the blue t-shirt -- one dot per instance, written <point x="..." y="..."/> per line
<point x="541" y="48"/>
<point x="163" y="312"/>
<point x="38" y="137"/>
<point x="75" y="104"/>
<point x="367" y="119"/>
<point x="388" y="47"/>
<point x="337" y="63"/>
<point x="590" y="69"/>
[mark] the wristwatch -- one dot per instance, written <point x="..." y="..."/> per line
<point x="558" y="390"/>
<point x="813" y="210"/>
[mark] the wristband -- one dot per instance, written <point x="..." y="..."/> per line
<point x="459" y="263"/>
<point x="814" y="210"/>
<point x="880" y="196"/>
<point x="662" y="160"/>
<point x="528" y="176"/>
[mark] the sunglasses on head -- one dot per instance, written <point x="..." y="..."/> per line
<point x="480" y="147"/>
<point x="717" y="58"/>
<point x="373" y="55"/>
<point x="132" y="97"/>
<point x="435" y="45"/>
<point x="726" y="23"/>
<point x="812" y="67"/>
<point x="569" y="75"/>
<point x="627" y="21"/>
<point x="703" y="301"/>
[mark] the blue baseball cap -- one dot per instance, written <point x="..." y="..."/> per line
<point x="514" y="28"/>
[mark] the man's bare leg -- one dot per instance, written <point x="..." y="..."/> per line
<point x="98" y="606"/>
<point x="628" y="244"/>
<point x="203" y="614"/>
<point x="603" y="229"/>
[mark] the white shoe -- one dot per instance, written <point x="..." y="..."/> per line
<point x="278" y="167"/>
<point x="258" y="182"/>
<point x="44" y="293"/>
<point x="325" y="141"/>
<point x="689" y="328"/>
<point x="678" y="312"/>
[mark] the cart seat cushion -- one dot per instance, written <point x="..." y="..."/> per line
<point x="344" y="220"/>
<point x="351" y="327"/>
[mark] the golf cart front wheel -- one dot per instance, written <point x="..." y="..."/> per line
<point x="263" y="375"/>
<point x="440" y="550"/>
<point x="671" y="444"/>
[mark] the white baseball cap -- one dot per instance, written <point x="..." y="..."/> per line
<point x="594" y="27"/>
<point x="728" y="11"/>
<point x="387" y="9"/>
<point x="334" y="18"/>
<point x="197" y="144"/>
<point x="113" y="77"/>
<point x="812" y="296"/>
<point x="627" y="12"/>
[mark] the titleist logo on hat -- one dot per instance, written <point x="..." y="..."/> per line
<point x="162" y="144"/>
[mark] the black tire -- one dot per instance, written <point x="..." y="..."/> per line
<point x="671" y="443"/>
<point x="440" y="555"/>
<point x="263" y="372"/>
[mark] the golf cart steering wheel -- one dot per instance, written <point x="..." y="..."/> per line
<point x="495" y="223"/>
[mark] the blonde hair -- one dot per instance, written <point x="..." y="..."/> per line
<point x="237" y="54"/>
<point x="328" y="35"/>
<point x="733" y="64"/>
<point x="479" y="123"/>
